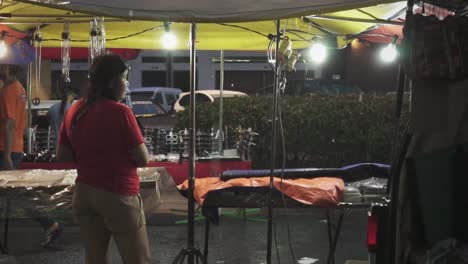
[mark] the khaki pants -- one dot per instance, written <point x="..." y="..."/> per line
<point x="103" y="214"/>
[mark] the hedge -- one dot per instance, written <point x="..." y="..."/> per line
<point x="319" y="131"/>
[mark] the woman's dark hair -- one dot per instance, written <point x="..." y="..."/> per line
<point x="64" y="100"/>
<point x="102" y="72"/>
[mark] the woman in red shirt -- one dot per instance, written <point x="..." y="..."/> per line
<point x="102" y="137"/>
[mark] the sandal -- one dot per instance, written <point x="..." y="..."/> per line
<point x="52" y="236"/>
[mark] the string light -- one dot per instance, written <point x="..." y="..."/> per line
<point x="168" y="39"/>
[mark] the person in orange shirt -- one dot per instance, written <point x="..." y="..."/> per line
<point x="12" y="114"/>
<point x="12" y="123"/>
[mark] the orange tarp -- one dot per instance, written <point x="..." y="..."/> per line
<point x="321" y="192"/>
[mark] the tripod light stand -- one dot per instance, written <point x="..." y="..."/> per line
<point x="191" y="252"/>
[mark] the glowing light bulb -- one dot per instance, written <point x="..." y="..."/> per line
<point x="3" y="48"/>
<point x="318" y="53"/>
<point x="389" y="53"/>
<point x="169" y="40"/>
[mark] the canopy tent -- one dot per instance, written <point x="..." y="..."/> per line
<point x="203" y="11"/>
<point x="128" y="32"/>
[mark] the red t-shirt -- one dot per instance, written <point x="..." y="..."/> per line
<point x="101" y="141"/>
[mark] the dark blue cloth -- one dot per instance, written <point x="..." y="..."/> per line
<point x="16" y="158"/>
<point x="55" y="118"/>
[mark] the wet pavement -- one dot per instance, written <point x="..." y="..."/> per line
<point x="235" y="240"/>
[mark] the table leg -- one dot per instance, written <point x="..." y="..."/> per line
<point x="6" y="214"/>
<point x="207" y="233"/>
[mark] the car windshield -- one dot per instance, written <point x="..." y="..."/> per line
<point x="141" y="95"/>
<point x="146" y="108"/>
<point x="200" y="98"/>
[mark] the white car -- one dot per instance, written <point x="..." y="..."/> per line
<point x="163" y="96"/>
<point x="203" y="96"/>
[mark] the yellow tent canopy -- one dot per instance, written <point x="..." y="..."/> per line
<point x="139" y="34"/>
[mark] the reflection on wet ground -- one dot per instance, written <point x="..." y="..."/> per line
<point x="235" y="240"/>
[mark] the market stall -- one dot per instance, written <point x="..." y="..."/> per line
<point x="213" y="25"/>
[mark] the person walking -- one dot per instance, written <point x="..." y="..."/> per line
<point x="101" y="135"/>
<point x="57" y="111"/>
<point x="12" y="123"/>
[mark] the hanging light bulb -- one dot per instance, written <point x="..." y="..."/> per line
<point x="3" y="46"/>
<point x="389" y="53"/>
<point x="318" y="53"/>
<point x="168" y="39"/>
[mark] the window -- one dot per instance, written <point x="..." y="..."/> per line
<point x="141" y="96"/>
<point x="171" y="98"/>
<point x="145" y="108"/>
<point x="153" y="78"/>
<point x="182" y="80"/>
<point x="159" y="98"/>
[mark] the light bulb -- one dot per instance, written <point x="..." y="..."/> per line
<point x="388" y="53"/>
<point x="3" y="48"/>
<point x="169" y="40"/>
<point x="318" y="53"/>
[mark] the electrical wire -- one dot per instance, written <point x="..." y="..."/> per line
<point x="245" y="28"/>
<point x="270" y="55"/>
<point x="110" y="39"/>
<point x="276" y="244"/>
<point x="281" y="85"/>
<point x="283" y="148"/>
<point x="293" y="32"/>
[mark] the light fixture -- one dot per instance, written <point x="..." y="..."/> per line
<point x="317" y="53"/>
<point x="389" y="53"/>
<point x="168" y="39"/>
<point x="3" y="46"/>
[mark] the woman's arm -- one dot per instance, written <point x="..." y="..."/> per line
<point x="64" y="154"/>
<point x="140" y="155"/>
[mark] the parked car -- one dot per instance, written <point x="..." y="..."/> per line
<point x="163" y="96"/>
<point x="150" y="115"/>
<point x="203" y="96"/>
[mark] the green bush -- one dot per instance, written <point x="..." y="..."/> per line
<point x="319" y="131"/>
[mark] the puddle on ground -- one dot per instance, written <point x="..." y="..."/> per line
<point x="306" y="260"/>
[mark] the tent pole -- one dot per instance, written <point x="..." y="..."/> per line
<point x="169" y="70"/>
<point x="191" y="180"/>
<point x="29" y="115"/>
<point x="273" y="142"/>
<point x="191" y="252"/>
<point x="359" y="20"/>
<point x="221" y="90"/>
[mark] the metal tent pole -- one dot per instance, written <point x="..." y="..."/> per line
<point x="29" y="115"/>
<point x="191" y="252"/>
<point x="221" y="90"/>
<point x="191" y="180"/>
